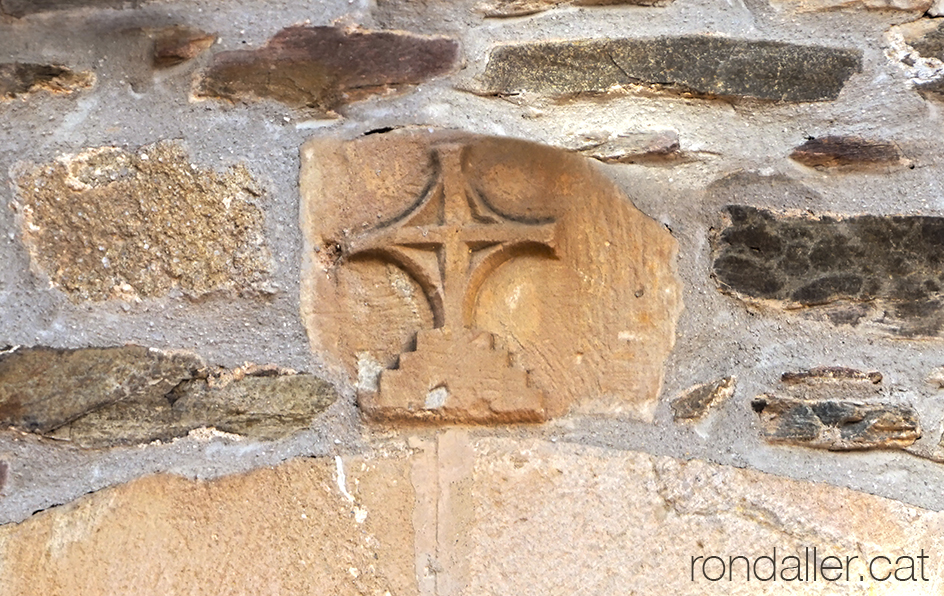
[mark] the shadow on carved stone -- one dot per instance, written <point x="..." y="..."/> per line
<point x="472" y="279"/>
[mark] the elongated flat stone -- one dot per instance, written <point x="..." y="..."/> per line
<point x="837" y="425"/>
<point x="845" y="152"/>
<point x="695" y="64"/>
<point x="18" y="79"/>
<point x="322" y="68"/>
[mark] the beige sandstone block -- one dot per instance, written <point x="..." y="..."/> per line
<point x="291" y="530"/>
<point x="476" y="279"/>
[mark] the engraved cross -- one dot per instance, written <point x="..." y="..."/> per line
<point x="452" y="238"/>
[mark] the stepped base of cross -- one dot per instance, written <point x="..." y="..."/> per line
<point x="455" y="375"/>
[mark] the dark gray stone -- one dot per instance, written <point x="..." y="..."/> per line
<point x="837" y="425"/>
<point x="42" y="389"/>
<point x="694" y="64"/>
<point x="261" y="405"/>
<point x="855" y="266"/>
<point x="322" y="68"/>
<point x="694" y="403"/>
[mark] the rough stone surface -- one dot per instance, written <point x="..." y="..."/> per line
<point x="883" y="270"/>
<point x="42" y="389"/>
<point x="836" y="425"/>
<point x="630" y="147"/>
<point x="322" y="68"/>
<point x="297" y="529"/>
<point x="699" y="65"/>
<point x="262" y="403"/>
<point x="107" y="223"/>
<point x="697" y="401"/>
<point x="918" y="6"/>
<point x="518" y="8"/>
<point x="18" y="79"/>
<point x="4" y="472"/>
<point x="416" y="239"/>
<point x="845" y="152"/>
<point x="175" y="45"/>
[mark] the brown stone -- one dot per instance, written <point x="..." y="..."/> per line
<point x="845" y="152"/>
<point x="462" y="277"/>
<point x="695" y="402"/>
<point x="18" y="79"/>
<point x="4" y="473"/>
<point x="107" y="223"/>
<point x="837" y="425"/>
<point x="294" y="530"/>
<point x="175" y="45"/>
<point x="830" y="374"/>
<point x="42" y="389"/>
<point x="518" y="8"/>
<point x="323" y="68"/>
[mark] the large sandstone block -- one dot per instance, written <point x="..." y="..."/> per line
<point x="455" y="515"/>
<point x="480" y="279"/>
<point x="306" y="527"/>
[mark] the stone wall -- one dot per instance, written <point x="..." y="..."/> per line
<point x="472" y="297"/>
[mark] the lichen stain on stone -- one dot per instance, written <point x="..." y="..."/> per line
<point x="107" y="223"/>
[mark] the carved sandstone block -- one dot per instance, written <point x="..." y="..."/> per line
<point x="478" y="279"/>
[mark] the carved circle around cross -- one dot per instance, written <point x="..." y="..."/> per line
<point x="452" y="238"/>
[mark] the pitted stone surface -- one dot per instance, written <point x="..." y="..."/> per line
<point x="107" y="223"/>
<point x="540" y="264"/>
<point x="321" y="68"/>
<point x="699" y="65"/>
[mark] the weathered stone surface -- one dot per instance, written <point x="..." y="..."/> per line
<point x="489" y="272"/>
<point x="42" y="389"/>
<point x="694" y="64"/>
<point x="4" y="472"/>
<point x="292" y="530"/>
<point x="175" y="45"/>
<point x="845" y="152"/>
<point x="836" y="425"/>
<point x="518" y="8"/>
<point x="694" y="403"/>
<point x="630" y="147"/>
<point x="20" y="8"/>
<point x="919" y="6"/>
<point x="322" y="68"/>
<point x="107" y="223"/>
<point x="881" y="270"/>
<point x="100" y="397"/>
<point x="827" y="374"/>
<point x="541" y="518"/>
<point x="262" y="403"/>
<point x="17" y="79"/>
